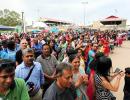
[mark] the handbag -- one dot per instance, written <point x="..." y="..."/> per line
<point x="30" y="84"/>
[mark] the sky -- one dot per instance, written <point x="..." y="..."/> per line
<point x="74" y="11"/>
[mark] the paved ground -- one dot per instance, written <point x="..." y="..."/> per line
<point x="121" y="58"/>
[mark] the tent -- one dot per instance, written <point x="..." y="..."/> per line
<point x="6" y="28"/>
<point x="39" y="24"/>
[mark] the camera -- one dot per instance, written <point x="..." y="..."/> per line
<point x="127" y="70"/>
<point x="30" y="85"/>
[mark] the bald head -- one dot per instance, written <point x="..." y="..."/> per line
<point x="23" y="44"/>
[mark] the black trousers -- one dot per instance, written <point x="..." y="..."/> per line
<point x="126" y="95"/>
<point x="45" y="87"/>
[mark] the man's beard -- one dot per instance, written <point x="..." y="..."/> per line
<point x="5" y="86"/>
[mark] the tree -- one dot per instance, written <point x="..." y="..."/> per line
<point x="9" y="18"/>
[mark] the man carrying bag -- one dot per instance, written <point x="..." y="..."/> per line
<point x="32" y="73"/>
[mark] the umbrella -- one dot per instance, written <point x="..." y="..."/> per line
<point x="45" y="31"/>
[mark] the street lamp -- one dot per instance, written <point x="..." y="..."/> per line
<point x="84" y="11"/>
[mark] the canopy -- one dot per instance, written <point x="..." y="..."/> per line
<point x="39" y="24"/>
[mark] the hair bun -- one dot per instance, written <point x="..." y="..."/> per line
<point x="71" y="51"/>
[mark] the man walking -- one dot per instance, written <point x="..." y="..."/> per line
<point x="32" y="73"/>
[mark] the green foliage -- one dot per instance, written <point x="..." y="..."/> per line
<point x="9" y="18"/>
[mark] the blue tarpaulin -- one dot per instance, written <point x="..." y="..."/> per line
<point x="35" y="31"/>
<point x="4" y="28"/>
<point x="54" y="30"/>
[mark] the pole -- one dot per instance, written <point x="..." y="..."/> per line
<point x="115" y="11"/>
<point x="84" y="12"/>
<point x="22" y="22"/>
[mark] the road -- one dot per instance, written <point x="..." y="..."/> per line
<point x="121" y="59"/>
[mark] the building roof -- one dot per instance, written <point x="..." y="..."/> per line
<point x="51" y="21"/>
<point x="112" y="18"/>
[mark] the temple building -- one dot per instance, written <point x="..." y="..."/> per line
<point x="111" y="22"/>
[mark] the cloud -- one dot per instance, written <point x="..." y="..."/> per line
<point x="69" y="10"/>
<point x="17" y="5"/>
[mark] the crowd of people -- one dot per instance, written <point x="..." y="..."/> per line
<point x="64" y="66"/>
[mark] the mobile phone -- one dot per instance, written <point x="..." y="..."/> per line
<point x="117" y="70"/>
